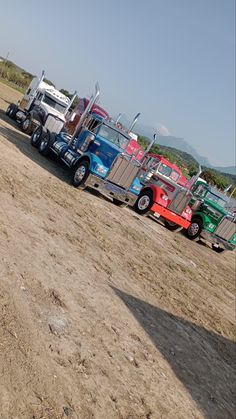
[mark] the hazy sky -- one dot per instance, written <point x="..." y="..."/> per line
<point x="171" y="60"/>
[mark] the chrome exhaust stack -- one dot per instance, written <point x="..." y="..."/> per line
<point x="71" y="101"/>
<point x="134" y="122"/>
<point x="118" y="118"/>
<point x="88" y="108"/>
<point x="36" y="90"/>
<point x="149" y="147"/>
<point x="194" y="178"/>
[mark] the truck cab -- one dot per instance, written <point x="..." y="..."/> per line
<point x="42" y="104"/>
<point x="161" y="193"/>
<point x="211" y="218"/>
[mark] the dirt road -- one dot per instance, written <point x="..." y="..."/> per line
<point x="104" y="314"/>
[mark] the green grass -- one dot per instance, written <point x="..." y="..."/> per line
<point x="12" y="85"/>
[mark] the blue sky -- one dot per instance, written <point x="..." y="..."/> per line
<point x="171" y="60"/>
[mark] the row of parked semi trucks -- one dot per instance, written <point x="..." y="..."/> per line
<point x="103" y="156"/>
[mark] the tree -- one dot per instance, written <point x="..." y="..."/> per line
<point x="214" y="178"/>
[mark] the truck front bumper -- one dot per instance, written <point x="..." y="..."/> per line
<point x="170" y="216"/>
<point x="109" y="189"/>
<point x="212" y="238"/>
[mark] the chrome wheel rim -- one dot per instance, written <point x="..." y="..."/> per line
<point x="80" y="173"/>
<point x="193" y="229"/>
<point x="36" y="136"/>
<point x="143" y="202"/>
<point x="43" y="144"/>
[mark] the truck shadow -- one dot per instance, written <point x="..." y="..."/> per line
<point x="202" y="360"/>
<point x="22" y="142"/>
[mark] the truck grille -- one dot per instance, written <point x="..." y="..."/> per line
<point x="226" y="228"/>
<point x="180" y="201"/>
<point x="53" y="124"/>
<point x="123" y="172"/>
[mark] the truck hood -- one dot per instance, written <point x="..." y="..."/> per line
<point x="105" y="150"/>
<point x="217" y="207"/>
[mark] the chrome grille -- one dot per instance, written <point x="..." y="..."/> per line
<point x="226" y="228"/>
<point x="123" y="172"/>
<point x="53" y="124"/>
<point x="180" y="201"/>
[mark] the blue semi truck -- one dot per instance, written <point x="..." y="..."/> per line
<point x="96" y="155"/>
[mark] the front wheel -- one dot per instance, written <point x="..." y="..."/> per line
<point x="45" y="144"/>
<point x="172" y="226"/>
<point x="12" y="111"/>
<point x="36" y="136"/>
<point x="195" y="229"/>
<point x="80" y="173"/>
<point x="27" y="125"/>
<point x="144" y="202"/>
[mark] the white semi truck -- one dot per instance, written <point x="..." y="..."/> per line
<point x="42" y="105"/>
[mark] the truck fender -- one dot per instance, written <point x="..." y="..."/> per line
<point x="81" y="158"/>
<point x="154" y="190"/>
<point x="201" y="217"/>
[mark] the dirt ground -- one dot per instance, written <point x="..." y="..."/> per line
<point x="104" y="314"/>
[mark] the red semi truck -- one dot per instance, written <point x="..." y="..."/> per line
<point x="165" y="192"/>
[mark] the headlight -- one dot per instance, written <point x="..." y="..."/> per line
<point x="210" y="226"/>
<point x="101" y="169"/>
<point x="165" y="197"/>
<point x="137" y="188"/>
<point x="188" y="211"/>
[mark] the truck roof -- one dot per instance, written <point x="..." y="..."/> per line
<point x="165" y="161"/>
<point x="45" y="87"/>
<point x="218" y="193"/>
<point x="82" y="104"/>
<point x="111" y="125"/>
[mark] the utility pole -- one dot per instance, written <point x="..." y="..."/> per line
<point x="4" y="63"/>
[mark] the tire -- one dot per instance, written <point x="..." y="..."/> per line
<point x="12" y="111"/>
<point x="45" y="143"/>
<point x="172" y="226"/>
<point x="217" y="249"/>
<point x="27" y="125"/>
<point x="195" y="229"/>
<point x="36" y="136"/>
<point x="80" y="173"/>
<point x="119" y="203"/>
<point x="144" y="202"/>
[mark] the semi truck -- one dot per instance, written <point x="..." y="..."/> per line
<point x="163" y="192"/>
<point x="211" y="219"/>
<point x="96" y="154"/>
<point x="42" y="104"/>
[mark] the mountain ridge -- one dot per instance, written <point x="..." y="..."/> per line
<point x="182" y="145"/>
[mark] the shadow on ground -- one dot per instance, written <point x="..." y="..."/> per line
<point x="22" y="142"/>
<point x="202" y="360"/>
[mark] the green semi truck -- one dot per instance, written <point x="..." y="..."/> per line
<point x="211" y="219"/>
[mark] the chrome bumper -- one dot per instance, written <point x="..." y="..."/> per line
<point x="109" y="189"/>
<point x="212" y="238"/>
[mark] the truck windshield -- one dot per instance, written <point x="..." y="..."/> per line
<point x="174" y="175"/>
<point x="165" y="170"/>
<point x="54" y="104"/>
<point x="199" y="190"/>
<point x="216" y="199"/>
<point x="113" y="136"/>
